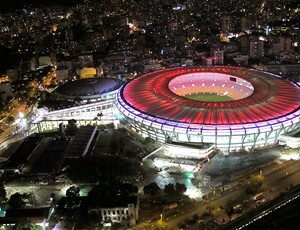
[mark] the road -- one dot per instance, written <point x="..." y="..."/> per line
<point x="278" y="180"/>
<point x="15" y="132"/>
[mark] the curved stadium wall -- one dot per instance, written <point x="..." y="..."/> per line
<point x="263" y="106"/>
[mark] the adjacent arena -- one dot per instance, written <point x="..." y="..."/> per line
<point x="93" y="89"/>
<point x="260" y="108"/>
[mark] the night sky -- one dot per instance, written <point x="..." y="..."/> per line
<point x="10" y="5"/>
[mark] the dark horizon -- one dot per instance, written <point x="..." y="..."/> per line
<point x="12" y="5"/>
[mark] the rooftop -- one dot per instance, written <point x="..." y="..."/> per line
<point x="89" y="87"/>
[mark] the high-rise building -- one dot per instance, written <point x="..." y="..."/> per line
<point x="256" y="49"/>
<point x="284" y="44"/>
<point x="5" y="91"/>
<point x="245" y="24"/>
<point x="226" y="24"/>
<point x="218" y="57"/>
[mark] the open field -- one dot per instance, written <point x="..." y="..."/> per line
<point x="208" y="97"/>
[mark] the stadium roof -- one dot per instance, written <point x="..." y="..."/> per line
<point x="282" y="69"/>
<point x="89" y="87"/>
<point x="272" y="97"/>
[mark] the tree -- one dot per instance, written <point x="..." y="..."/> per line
<point x="16" y="201"/>
<point x="148" y="141"/>
<point x="10" y="119"/>
<point x="229" y="207"/>
<point x="210" y="208"/>
<point x="73" y="191"/>
<point x="180" y="188"/>
<point x="196" y="217"/>
<point x="93" y="219"/>
<point x="152" y="189"/>
<point x="2" y="193"/>
<point x="53" y="197"/>
<point x="161" y="225"/>
<point x="71" y="128"/>
<point x="78" y="99"/>
<point x="100" y="115"/>
<point x="28" y="226"/>
<point x="83" y="171"/>
<point x="255" y="184"/>
<point x="170" y="189"/>
<point x="127" y="188"/>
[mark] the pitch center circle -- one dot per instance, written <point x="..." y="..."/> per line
<point x="211" y="87"/>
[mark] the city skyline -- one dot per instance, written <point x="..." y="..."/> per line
<point x="162" y="114"/>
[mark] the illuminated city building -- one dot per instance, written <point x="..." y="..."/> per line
<point x="5" y="91"/>
<point x="118" y="208"/>
<point x="262" y="106"/>
<point x="256" y="49"/>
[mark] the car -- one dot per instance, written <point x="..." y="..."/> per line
<point x="237" y="208"/>
<point x="43" y="183"/>
<point x="258" y="196"/>
<point x="182" y="226"/>
<point x="260" y="201"/>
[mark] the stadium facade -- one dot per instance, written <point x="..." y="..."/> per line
<point x="263" y="106"/>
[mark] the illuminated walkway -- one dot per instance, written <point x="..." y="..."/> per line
<point x="98" y="113"/>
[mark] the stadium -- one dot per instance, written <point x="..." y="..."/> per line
<point x="93" y="89"/>
<point x="231" y="107"/>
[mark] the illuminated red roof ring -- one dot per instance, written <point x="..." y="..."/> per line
<point x="263" y="106"/>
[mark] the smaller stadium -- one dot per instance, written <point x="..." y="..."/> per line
<point x="231" y="108"/>
<point x="93" y="89"/>
<point x="95" y="97"/>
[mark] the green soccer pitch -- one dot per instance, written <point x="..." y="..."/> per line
<point x="208" y="97"/>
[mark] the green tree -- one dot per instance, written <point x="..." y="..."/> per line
<point x="255" y="184"/>
<point x="180" y="188"/>
<point x="229" y="207"/>
<point x="10" y="119"/>
<point x="161" y="225"/>
<point x="28" y="226"/>
<point x="16" y="201"/>
<point x="210" y="208"/>
<point x="71" y="128"/>
<point x="78" y="99"/>
<point x="100" y="115"/>
<point x="196" y="217"/>
<point x="83" y="171"/>
<point x="2" y="193"/>
<point x="152" y="189"/>
<point x="170" y="189"/>
<point x="148" y="141"/>
<point x="73" y="191"/>
<point x="107" y="169"/>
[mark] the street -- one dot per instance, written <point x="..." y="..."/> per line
<point x="277" y="181"/>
